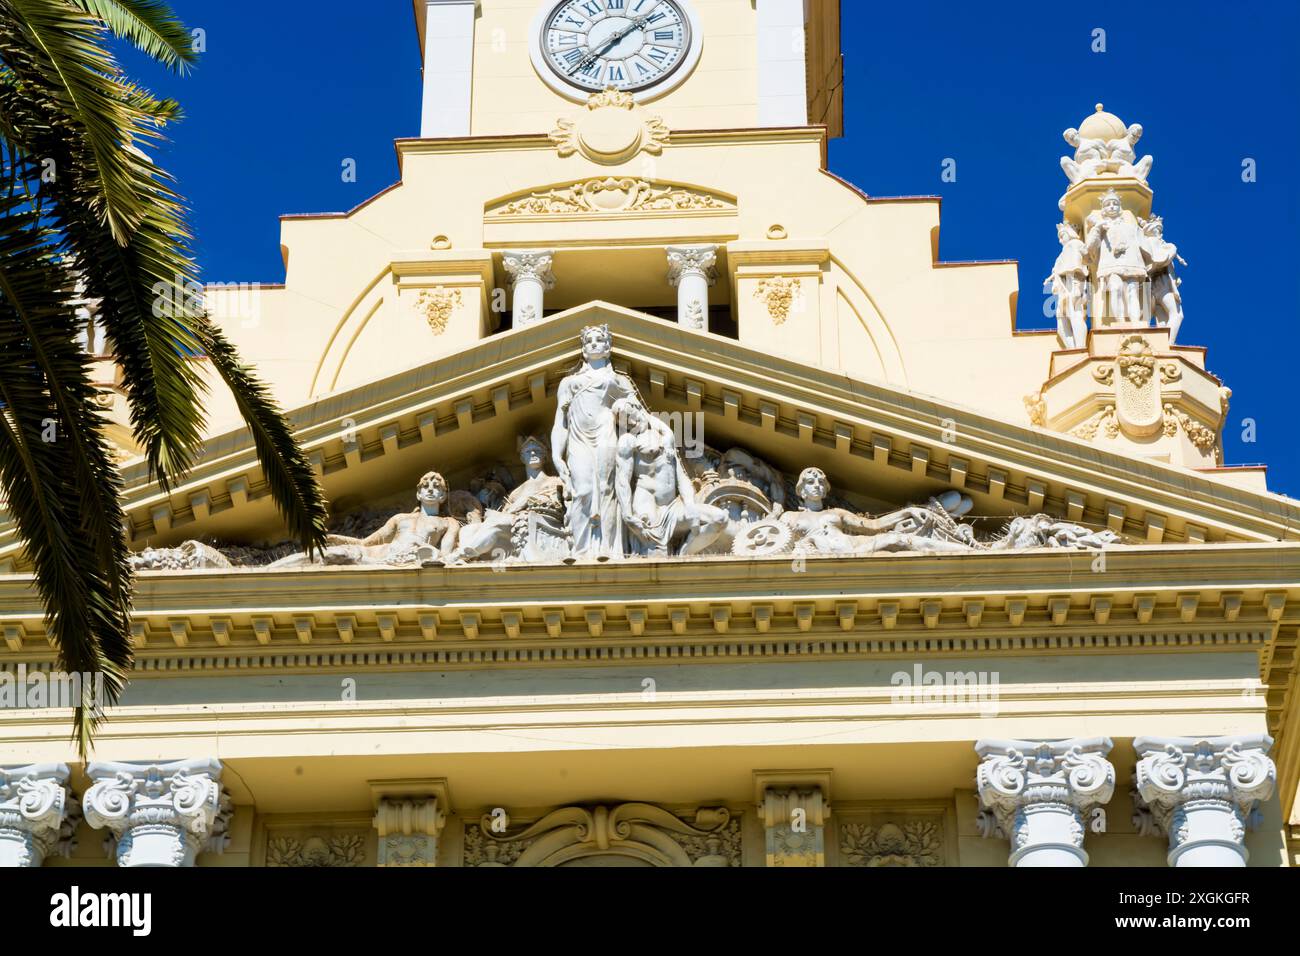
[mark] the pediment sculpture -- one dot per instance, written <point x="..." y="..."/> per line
<point x="625" y="488"/>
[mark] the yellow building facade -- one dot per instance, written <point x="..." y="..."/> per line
<point x="813" y="559"/>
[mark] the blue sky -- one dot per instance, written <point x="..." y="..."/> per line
<point x="285" y="92"/>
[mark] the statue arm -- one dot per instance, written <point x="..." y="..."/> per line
<point x="448" y="542"/>
<point x="384" y="534"/>
<point x="623" y="476"/>
<point x="560" y="434"/>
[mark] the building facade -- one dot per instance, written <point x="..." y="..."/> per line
<point x="745" y="531"/>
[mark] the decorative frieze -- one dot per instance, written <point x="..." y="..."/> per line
<point x="34" y="807"/>
<point x="333" y="849"/>
<point x="1203" y="794"/>
<point x="607" y="195"/>
<point x="159" y="814"/>
<point x="907" y="843"/>
<point x="1043" y="796"/>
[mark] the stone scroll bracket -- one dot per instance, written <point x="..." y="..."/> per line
<point x="794" y="810"/>
<point x="409" y="818"/>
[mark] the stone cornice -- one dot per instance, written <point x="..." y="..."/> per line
<point x="1212" y="597"/>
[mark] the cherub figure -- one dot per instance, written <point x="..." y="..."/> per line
<point x="1121" y="154"/>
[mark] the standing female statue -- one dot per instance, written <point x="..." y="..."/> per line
<point x="584" y="447"/>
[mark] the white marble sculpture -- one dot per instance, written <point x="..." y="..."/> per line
<point x="1161" y="256"/>
<point x="424" y="536"/>
<point x="533" y="510"/>
<point x="837" y="531"/>
<point x="1044" y="531"/>
<point x="1069" y="280"/>
<point x="1123" y="160"/>
<point x="1114" y="244"/>
<point x="187" y="556"/>
<point x="655" y="494"/>
<point x="584" y="445"/>
<point x="1091" y="157"/>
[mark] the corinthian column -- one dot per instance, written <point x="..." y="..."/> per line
<point x="161" y="814"/>
<point x="691" y="270"/>
<point x="531" y="274"/>
<point x="1203" y="793"/>
<point x="33" y="805"/>
<point x="1041" y="795"/>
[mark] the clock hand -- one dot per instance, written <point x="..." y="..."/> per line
<point x="638" y="24"/>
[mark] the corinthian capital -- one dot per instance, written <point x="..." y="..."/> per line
<point x="160" y="814"/>
<point x="1203" y="793"/>
<point x="692" y="260"/>
<point x="1040" y="793"/>
<point x="534" y="264"/>
<point x="33" y="806"/>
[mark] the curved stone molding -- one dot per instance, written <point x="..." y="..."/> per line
<point x="1041" y="793"/>
<point x="1203" y="793"/>
<point x="34" y="805"/>
<point x="638" y="832"/>
<point x="160" y="814"/>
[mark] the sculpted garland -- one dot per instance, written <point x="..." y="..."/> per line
<point x="624" y="490"/>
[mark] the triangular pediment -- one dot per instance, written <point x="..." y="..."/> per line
<point x="879" y="445"/>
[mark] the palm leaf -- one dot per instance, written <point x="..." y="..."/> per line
<point x="150" y="25"/>
<point x="55" y="467"/>
<point x="288" y="472"/>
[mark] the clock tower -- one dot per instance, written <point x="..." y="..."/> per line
<point x="502" y="67"/>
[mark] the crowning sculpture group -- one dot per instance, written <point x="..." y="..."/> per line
<point x="1123" y="258"/>
<point x="623" y="490"/>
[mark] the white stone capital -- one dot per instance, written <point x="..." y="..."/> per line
<point x="1041" y="792"/>
<point x="34" y="804"/>
<point x="684" y="261"/>
<point x="160" y="814"/>
<point x="532" y="265"/>
<point x="1203" y="792"/>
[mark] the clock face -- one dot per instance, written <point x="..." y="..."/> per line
<point x="631" y="45"/>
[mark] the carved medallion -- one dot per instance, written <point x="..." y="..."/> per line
<point x="910" y="843"/>
<point x="611" y="130"/>
<point x="313" y="850"/>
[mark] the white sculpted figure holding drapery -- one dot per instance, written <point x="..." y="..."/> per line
<point x="584" y="447"/>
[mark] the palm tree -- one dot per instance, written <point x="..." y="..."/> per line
<point x="85" y="213"/>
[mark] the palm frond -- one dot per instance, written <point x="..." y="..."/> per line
<point x="150" y="25"/>
<point x="288" y="472"/>
<point x="61" y="485"/>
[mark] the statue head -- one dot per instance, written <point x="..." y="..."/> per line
<point x="597" y="343"/>
<point x="1155" y="226"/>
<point x="533" y="452"/>
<point x="813" y="485"/>
<point x="432" y="490"/>
<point x="1111" y="205"/>
<point x="629" y="416"/>
<point x="1066" y="232"/>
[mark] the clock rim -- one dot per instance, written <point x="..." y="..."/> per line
<point x="579" y="94"/>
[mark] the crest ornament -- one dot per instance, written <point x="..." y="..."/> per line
<point x="612" y="130"/>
